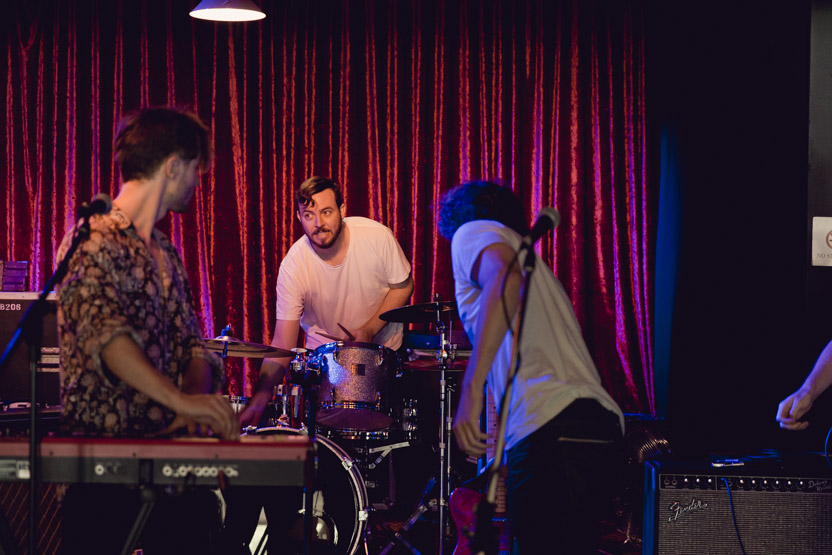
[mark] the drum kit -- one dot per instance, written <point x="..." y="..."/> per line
<point x="342" y="393"/>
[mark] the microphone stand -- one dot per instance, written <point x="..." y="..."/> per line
<point x="30" y="327"/>
<point x="484" y="541"/>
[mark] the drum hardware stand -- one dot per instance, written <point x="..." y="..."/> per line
<point x="372" y="463"/>
<point x="308" y="375"/>
<point x="286" y="391"/>
<point x="309" y="378"/>
<point x="422" y="506"/>
<point x="384" y="450"/>
<point x="226" y="332"/>
<point x="444" y="355"/>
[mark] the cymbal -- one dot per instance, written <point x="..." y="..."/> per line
<point x="419" y="313"/>
<point x="238" y="348"/>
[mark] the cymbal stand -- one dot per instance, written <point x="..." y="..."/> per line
<point x="445" y="422"/>
<point x="444" y="356"/>
<point x="226" y="332"/>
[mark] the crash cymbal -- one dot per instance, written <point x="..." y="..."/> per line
<point x="419" y="313"/>
<point x="238" y="348"/>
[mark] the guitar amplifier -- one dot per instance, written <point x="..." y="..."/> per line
<point x="15" y="388"/>
<point x="770" y="505"/>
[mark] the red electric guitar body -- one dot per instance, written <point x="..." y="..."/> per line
<point x="463" y="502"/>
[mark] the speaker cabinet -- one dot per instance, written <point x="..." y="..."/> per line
<point x="15" y="381"/>
<point x="14" y="507"/>
<point x="780" y="506"/>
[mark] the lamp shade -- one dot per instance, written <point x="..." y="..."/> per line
<point x="227" y="10"/>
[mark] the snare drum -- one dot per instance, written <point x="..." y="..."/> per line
<point x="354" y="385"/>
<point x="340" y="501"/>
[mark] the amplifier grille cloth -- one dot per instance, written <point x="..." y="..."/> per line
<point x="783" y="522"/>
<point x="14" y="501"/>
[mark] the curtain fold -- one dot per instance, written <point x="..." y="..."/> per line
<point x="398" y="101"/>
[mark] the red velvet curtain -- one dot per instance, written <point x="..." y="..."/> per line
<point x="397" y="100"/>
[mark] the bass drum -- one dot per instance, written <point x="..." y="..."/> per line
<point x="340" y="500"/>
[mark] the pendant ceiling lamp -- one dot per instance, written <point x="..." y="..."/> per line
<point x="227" y="10"/>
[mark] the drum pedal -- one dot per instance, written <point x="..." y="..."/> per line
<point x="422" y="506"/>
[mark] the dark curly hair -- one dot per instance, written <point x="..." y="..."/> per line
<point x="147" y="137"/>
<point x="480" y="200"/>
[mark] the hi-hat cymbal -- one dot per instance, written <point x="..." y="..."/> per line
<point x="419" y="313"/>
<point x="238" y="348"/>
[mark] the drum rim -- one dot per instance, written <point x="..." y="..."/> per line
<point x="330" y="410"/>
<point x="381" y="433"/>
<point x="362" y="435"/>
<point x="349" y="404"/>
<point x="326" y="347"/>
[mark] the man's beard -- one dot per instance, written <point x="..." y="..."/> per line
<point x="181" y="204"/>
<point x="334" y="234"/>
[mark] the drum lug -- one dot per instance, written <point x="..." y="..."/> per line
<point x="335" y="352"/>
<point x="332" y="395"/>
<point x="378" y="400"/>
<point x="380" y="354"/>
<point x="347" y="463"/>
<point x="363" y="515"/>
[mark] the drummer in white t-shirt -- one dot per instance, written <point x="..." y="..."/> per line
<point x="334" y="281"/>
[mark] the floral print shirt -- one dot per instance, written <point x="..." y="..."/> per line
<point x="114" y="287"/>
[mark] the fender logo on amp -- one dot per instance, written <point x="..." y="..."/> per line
<point x="680" y="509"/>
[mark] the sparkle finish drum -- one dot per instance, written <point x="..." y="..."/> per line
<point x="354" y="394"/>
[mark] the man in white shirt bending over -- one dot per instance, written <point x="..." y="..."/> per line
<point x="336" y="279"/>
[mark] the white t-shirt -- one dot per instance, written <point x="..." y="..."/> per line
<point x="556" y="365"/>
<point x="321" y="296"/>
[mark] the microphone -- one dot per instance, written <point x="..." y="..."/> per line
<point x="99" y="204"/>
<point x="547" y="219"/>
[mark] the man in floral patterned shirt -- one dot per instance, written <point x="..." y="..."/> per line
<point x="133" y="362"/>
